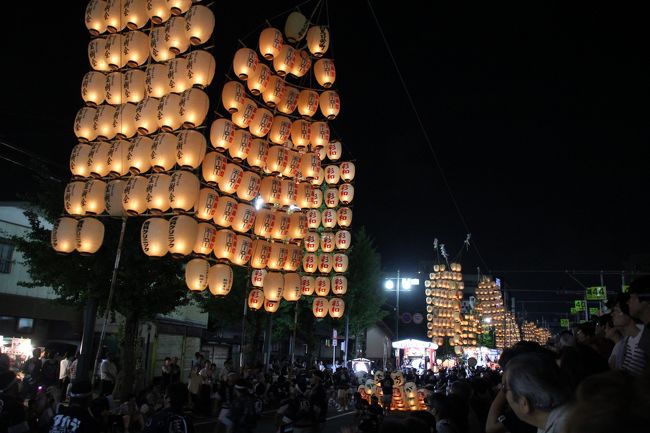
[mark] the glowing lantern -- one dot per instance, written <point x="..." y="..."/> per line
<point x="295" y="26"/>
<point x="310" y="166"/>
<point x="327" y="242"/>
<point x="300" y="133"/>
<point x="156" y="81"/>
<point x="158" y="192"/>
<point x="289" y="100"/>
<point x="258" y="153"/>
<point x="307" y="285"/>
<point x="113" y="54"/>
<point x="261" y="252"/>
<point x="200" y="24"/>
<point x="93" y="88"/>
<point x="249" y="187"/>
<point x="244" y="218"/>
<point x="90" y="235"/>
<point x="320" y="307"/>
<point x="182" y="235"/>
<point x="72" y="198"/>
<point x="283" y="63"/>
<point x="136" y="49"/>
<point x="339" y="285"/>
<point x="163" y="152"/>
<point x="271" y="306"/>
<point x="328" y="218"/>
<point x="281" y="227"/>
<point x="336" y="308"/>
<point x="113" y="16"/>
<point x="291" y="290"/>
<point x="168" y="112"/>
<point x="146" y="116"/>
<point x="104" y="122"/>
<point x="340" y="263"/>
<point x="288" y="193"/>
<point x="280" y="130"/>
<point x="196" y="274"/>
<point x="346" y="193"/>
<point x="190" y="150"/>
<point x="344" y="217"/>
<point x="159" y="47"/>
<point x="206" y="236"/>
<point x="257" y="277"/>
<point x="321" y="152"/>
<point x="332" y="174"/>
<point x="319" y="179"/>
<point x="343" y="239"/>
<point x="261" y="123"/>
<point x="309" y="263"/>
<point x="154" y="236"/>
<point x="301" y="64"/>
<point x="313" y="218"/>
<point x="307" y="103"/>
<point x="259" y="79"/>
<point x="264" y="222"/>
<point x="277" y="160"/>
<point x="325" y="263"/>
<point x="273" y="286"/>
<point x="200" y="68"/>
<point x="293" y="167"/>
<point x="316" y="198"/>
<point x="134" y="197"/>
<point x="225" y="246"/>
<point x="330" y="104"/>
<point x="303" y="198"/>
<point x="320" y="134"/>
<point x="294" y="259"/>
<point x="183" y="190"/>
<point x="135" y="13"/>
<point x="94" y="17"/>
<point x="79" y="160"/>
<point x="318" y="40"/>
<point x="233" y="96"/>
<point x="270" y="42"/>
<point x="244" y="63"/>
<point x="63" y="237"/>
<point x="116" y="159"/>
<point x="241" y="145"/>
<point x="332" y="198"/>
<point x="322" y="286"/>
<point x="347" y="171"/>
<point x="138" y="156"/>
<point x="226" y="210"/>
<point x="206" y="205"/>
<point x="96" y="51"/>
<point x="325" y="72"/>
<point x="312" y="242"/>
<point x="98" y="159"/>
<point x="158" y="11"/>
<point x="176" y="36"/>
<point x="177" y="79"/>
<point x="124" y="121"/>
<point x="255" y="299"/>
<point x="271" y="189"/>
<point x="213" y="167"/>
<point x="244" y="250"/>
<point x="220" y="279"/>
<point x="113" y="198"/>
<point x="278" y="257"/>
<point x="274" y="91"/>
<point x="222" y="134"/>
<point x="193" y="107"/>
<point x="231" y="179"/>
<point x="244" y="115"/>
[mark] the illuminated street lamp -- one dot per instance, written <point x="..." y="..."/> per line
<point x="401" y="284"/>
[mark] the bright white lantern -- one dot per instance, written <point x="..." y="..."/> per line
<point x="307" y="285"/>
<point x="156" y="81"/>
<point x="183" y="190"/>
<point x="328" y="218"/>
<point x="347" y="171"/>
<point x="344" y="217"/>
<point x="313" y="218"/>
<point x="113" y="54"/>
<point x="309" y="263"/>
<point x="327" y="242"/>
<point x="159" y="47"/>
<point x="116" y="159"/>
<point x="92" y="198"/>
<point x="312" y="242"/>
<point x="177" y="80"/>
<point x="273" y="286"/>
<point x="255" y="299"/>
<point x="332" y="174"/>
<point x="72" y="198"/>
<point x="158" y="11"/>
<point x="134" y="196"/>
<point x="103" y="122"/>
<point x="158" y="193"/>
<point x="146" y="113"/>
<point x="134" y="87"/>
<point x="200" y="24"/>
<point x="291" y="291"/>
<point x="336" y="308"/>
<point x="325" y="263"/>
<point x="193" y="107"/>
<point x="270" y="42"/>
<point x="163" y="152"/>
<point x="191" y="149"/>
<point x="325" y="72"/>
<point x="339" y="285"/>
<point x="200" y="68"/>
<point x="318" y="40"/>
<point x="320" y="307"/>
<point x="340" y="262"/>
<point x="343" y="239"/>
<point x="225" y="212"/>
<point x="322" y="286"/>
<point x="233" y="96"/>
<point x="222" y="134"/>
<point x="334" y="150"/>
<point x="196" y="274"/>
<point x="98" y="159"/>
<point x="257" y="277"/>
<point x="284" y="61"/>
<point x="124" y="121"/>
<point x="244" y="63"/>
<point x="346" y="193"/>
<point x="113" y="16"/>
<point x="96" y="51"/>
<point x="136" y="48"/>
<point x="213" y="167"/>
<point x="93" y="88"/>
<point x="307" y="103"/>
<point x="175" y="35"/>
<point x="135" y="13"/>
<point x="206" y="205"/>
<point x="330" y="104"/>
<point x="182" y="235"/>
<point x="79" y="160"/>
<point x="94" y="17"/>
<point x="220" y="279"/>
<point x="63" y="236"/>
<point x="154" y="236"/>
<point x="289" y="100"/>
<point x="139" y="155"/>
<point x="244" y="250"/>
<point x="169" y="118"/>
<point x="90" y="235"/>
<point x="113" y="198"/>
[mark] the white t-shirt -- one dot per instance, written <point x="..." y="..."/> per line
<point x="633" y="357"/>
<point x="63" y="368"/>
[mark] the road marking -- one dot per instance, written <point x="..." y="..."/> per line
<point x="340" y="415"/>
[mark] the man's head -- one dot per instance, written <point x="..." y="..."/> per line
<point x="621" y="311"/>
<point x="167" y="360"/>
<point x="36" y="353"/>
<point x="639" y="301"/>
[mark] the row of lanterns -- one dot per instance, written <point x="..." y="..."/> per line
<point x="507" y="333"/>
<point x="443" y="292"/>
<point x="531" y="332"/>
<point x="406" y="395"/>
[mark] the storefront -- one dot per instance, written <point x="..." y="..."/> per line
<point x="417" y="354"/>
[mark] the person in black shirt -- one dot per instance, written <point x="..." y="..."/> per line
<point x="171" y="419"/>
<point x="77" y="418"/>
<point x="387" y="390"/>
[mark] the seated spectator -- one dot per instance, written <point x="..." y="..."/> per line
<point x="172" y="418"/>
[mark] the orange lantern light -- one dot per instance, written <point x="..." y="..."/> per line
<point x="273" y="286"/>
<point x="300" y="133"/>
<point x="261" y="253"/>
<point x="249" y="187"/>
<point x="325" y="72"/>
<point x="325" y="263"/>
<point x="316" y="198"/>
<point x="233" y="96"/>
<point x="241" y="145"/>
<point x="206" y="236"/>
<point x="182" y="235"/>
<point x="169" y="118"/>
<point x="318" y="40"/>
<point x="343" y="239"/>
<point x="307" y="285"/>
<point x="322" y="286"/>
<point x="231" y="179"/>
<point x="193" y="107"/>
<point x="134" y="85"/>
<point x="344" y="217"/>
<point x="278" y="257"/>
<point x="226" y="210"/>
<point x="301" y="64"/>
<point x="277" y="160"/>
<point x="309" y="263"/>
<point x="225" y="246"/>
<point x="200" y="68"/>
<point x="158" y="46"/>
<point x="244" y="116"/>
<point x="271" y="189"/>
<point x="176" y="35"/>
<point x="280" y="130"/>
<point x="79" y="160"/>
<point x="336" y="308"/>
<point x="177" y="76"/>
<point x="310" y="166"/>
<point x="340" y="262"/>
<point x="93" y="88"/>
<point x="222" y="134"/>
<point x="289" y="100"/>
<point x="213" y="167"/>
<point x="114" y="48"/>
<point x="284" y="61"/>
<point x="291" y="291"/>
<point x="63" y="237"/>
<point x="220" y="279"/>
<point x="146" y="113"/>
<point x="327" y="242"/>
<point x="320" y="307"/>
<point x="178" y="7"/>
<point x="346" y="193"/>
<point x="156" y="82"/>
<point x="158" y="192"/>
<point x="281" y="227"/>
<point x="264" y="222"/>
<point x="339" y="285"/>
<point x="196" y="274"/>
<point x="270" y="42"/>
<point x="96" y="51"/>
<point x="200" y="24"/>
<point x="320" y="134"/>
<point x="259" y="79"/>
<point x="288" y="193"/>
<point x="134" y="199"/>
<point x="307" y="103"/>
<point x="124" y="121"/>
<point x="312" y="242"/>
<point x="328" y="218"/>
<point x="154" y="237"/>
<point x="294" y="259"/>
<point x="244" y="218"/>
<point x="244" y="63"/>
<point x="274" y="91"/>
<point x="90" y="236"/>
<point x="330" y="104"/>
<point x="255" y="299"/>
<point x="257" y="277"/>
<point x="206" y="205"/>
<point x="94" y="17"/>
<point x="313" y="219"/>
<point x="98" y="159"/>
<point x="158" y="11"/>
<point x="136" y="48"/>
<point x="293" y="166"/>
<point x="138" y="158"/>
<point x="135" y="13"/>
<point x="271" y="306"/>
<point x="103" y="122"/>
<point x="331" y="198"/>
<point x="183" y="190"/>
<point x="72" y="198"/>
<point x="163" y="152"/>
<point x="190" y="150"/>
<point x="261" y="123"/>
<point x="334" y="150"/>
<point x="244" y="250"/>
<point x="258" y="153"/>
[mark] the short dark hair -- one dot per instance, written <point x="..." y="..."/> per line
<point x="177" y="394"/>
<point x="621" y="300"/>
<point x="640" y="286"/>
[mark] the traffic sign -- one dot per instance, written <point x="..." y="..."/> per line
<point x="417" y="318"/>
<point x="564" y="323"/>
<point x="597" y="293"/>
<point x="580" y="305"/>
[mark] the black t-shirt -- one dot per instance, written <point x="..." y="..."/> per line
<point x="12" y="415"/>
<point x="75" y="419"/>
<point x="387" y="386"/>
<point x="169" y="421"/>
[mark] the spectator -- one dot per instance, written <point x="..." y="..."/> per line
<point x="639" y="304"/>
<point x="49" y="371"/>
<point x="634" y="358"/>
<point x="171" y="418"/>
<point x="387" y="391"/>
<point x="64" y="372"/>
<point x="12" y="412"/>
<point x="175" y="371"/>
<point x="77" y="418"/>
<point x="166" y="372"/>
<point x="107" y="374"/>
<point x="579" y="362"/>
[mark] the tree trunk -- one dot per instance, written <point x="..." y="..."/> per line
<point x="127" y="374"/>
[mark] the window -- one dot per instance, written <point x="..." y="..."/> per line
<point x="6" y="256"/>
<point x="25" y="325"/>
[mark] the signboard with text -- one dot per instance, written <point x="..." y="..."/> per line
<point x="564" y="323"/>
<point x="580" y="305"/>
<point x="597" y="293"/>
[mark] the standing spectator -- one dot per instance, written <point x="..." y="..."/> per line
<point x="194" y="386"/>
<point x="639" y="304"/>
<point x="64" y="372"/>
<point x="32" y="372"/>
<point x="166" y="372"/>
<point x="107" y="374"/>
<point x="171" y="418"/>
<point x="198" y="360"/>
<point x="387" y="391"/>
<point x="12" y="412"/>
<point x="634" y="359"/>
<point x="175" y="371"/>
<point x="616" y="337"/>
<point x="318" y="400"/>
<point x="76" y="417"/>
<point x="49" y="370"/>
<point x="205" y="390"/>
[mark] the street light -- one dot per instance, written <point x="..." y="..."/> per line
<point x="401" y="284"/>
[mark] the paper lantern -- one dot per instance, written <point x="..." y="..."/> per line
<point x="124" y="121"/>
<point x="271" y="189"/>
<point x="222" y="134"/>
<point x="318" y="40"/>
<point x="346" y="193"/>
<point x="79" y="160"/>
<point x="331" y="198"/>
<point x="281" y="227"/>
<point x="200" y="24"/>
<point x="138" y="156"/>
<point x="225" y="246"/>
<point x="241" y="145"/>
<point x="258" y="153"/>
<point x="113" y="16"/>
<point x="244" y="218"/>
<point x="271" y="306"/>
<point x="294" y="259"/>
<point x="264" y="222"/>
<point x="280" y="130"/>
<point x="220" y="279"/>
<point x="325" y="72"/>
<point x="336" y="308"/>
<point x="273" y="286"/>
<point x="158" y="11"/>
<point x="136" y="48"/>
<point x="113" y="198"/>
<point x="257" y="277"/>
<point x="96" y="52"/>
<point x="103" y="122"/>
<point x="134" y="85"/>
<point x="295" y="27"/>
<point x="213" y="167"/>
<point x="231" y="179"/>
<point x="182" y="235"/>
<point x="301" y="64"/>
<point x="156" y="81"/>
<point x="225" y="212"/>
<point x="321" y="152"/>
<point x="325" y="263"/>
<point x="193" y="107"/>
<point x="320" y="307"/>
<point x="327" y="242"/>
<point x="249" y="186"/>
<point x="255" y="299"/>
<point x="319" y="179"/>
<point x="206" y="205"/>
<point x="116" y="159"/>
<point x="163" y="152"/>
<point x="316" y="198"/>
<point x="328" y="218"/>
<point x="176" y="36"/>
<point x="90" y="235"/>
<point x="154" y="236"/>
<point x="278" y="257"/>
<point x="244" y="115"/>
<point x="158" y="46"/>
<point x="134" y="197"/>
<point x="310" y="166"/>
<point x="313" y="219"/>
<point x="244" y="250"/>
<point x="330" y="104"/>
<point x="206" y="236"/>
<point x="233" y="96"/>
<point x="244" y="63"/>
<point x="196" y="274"/>
<point x="190" y="149"/>
<point x="347" y="171"/>
<point x="261" y="252"/>
<point x="94" y="17"/>
<point x="98" y="159"/>
<point x="261" y="123"/>
<point x="158" y="193"/>
<point x="300" y="133"/>
<point x="322" y="286"/>
<point x="303" y="197"/>
<point x="291" y="291"/>
<point x="288" y="192"/>
<point x="274" y="91"/>
<point x="343" y="239"/>
<point x="309" y="263"/>
<point x="135" y="13"/>
<point x="169" y="118"/>
<point x="146" y="116"/>
<point x="292" y="170"/>
<point x="270" y="42"/>
<point x="277" y="160"/>
<point x="72" y="198"/>
<point x="177" y="76"/>
<point x="113" y="51"/>
<point x="283" y="63"/>
<point x="339" y="285"/>
<point x="183" y="190"/>
<point x="258" y="79"/>
<point x="63" y="237"/>
<point x="93" y="88"/>
<point x="312" y="242"/>
<point x="307" y="103"/>
<point x="320" y="134"/>
<point x="200" y="68"/>
<point x="289" y="100"/>
<point x="307" y="285"/>
<point x="344" y="217"/>
<point x="332" y="174"/>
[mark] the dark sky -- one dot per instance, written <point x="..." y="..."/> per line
<point x="537" y="114"/>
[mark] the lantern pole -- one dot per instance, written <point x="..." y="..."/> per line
<point x="293" y="340"/>
<point x="397" y="310"/>
<point x="243" y="332"/>
<point x="118" y="253"/>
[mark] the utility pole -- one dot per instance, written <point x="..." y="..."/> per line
<point x="397" y="310"/>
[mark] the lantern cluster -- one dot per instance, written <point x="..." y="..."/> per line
<point x="470" y="329"/>
<point x="507" y="332"/>
<point x="531" y="332"/>
<point x="406" y="395"/>
<point x="489" y="304"/>
<point x="444" y="292"/>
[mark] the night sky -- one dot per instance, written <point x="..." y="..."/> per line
<point x="536" y="113"/>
